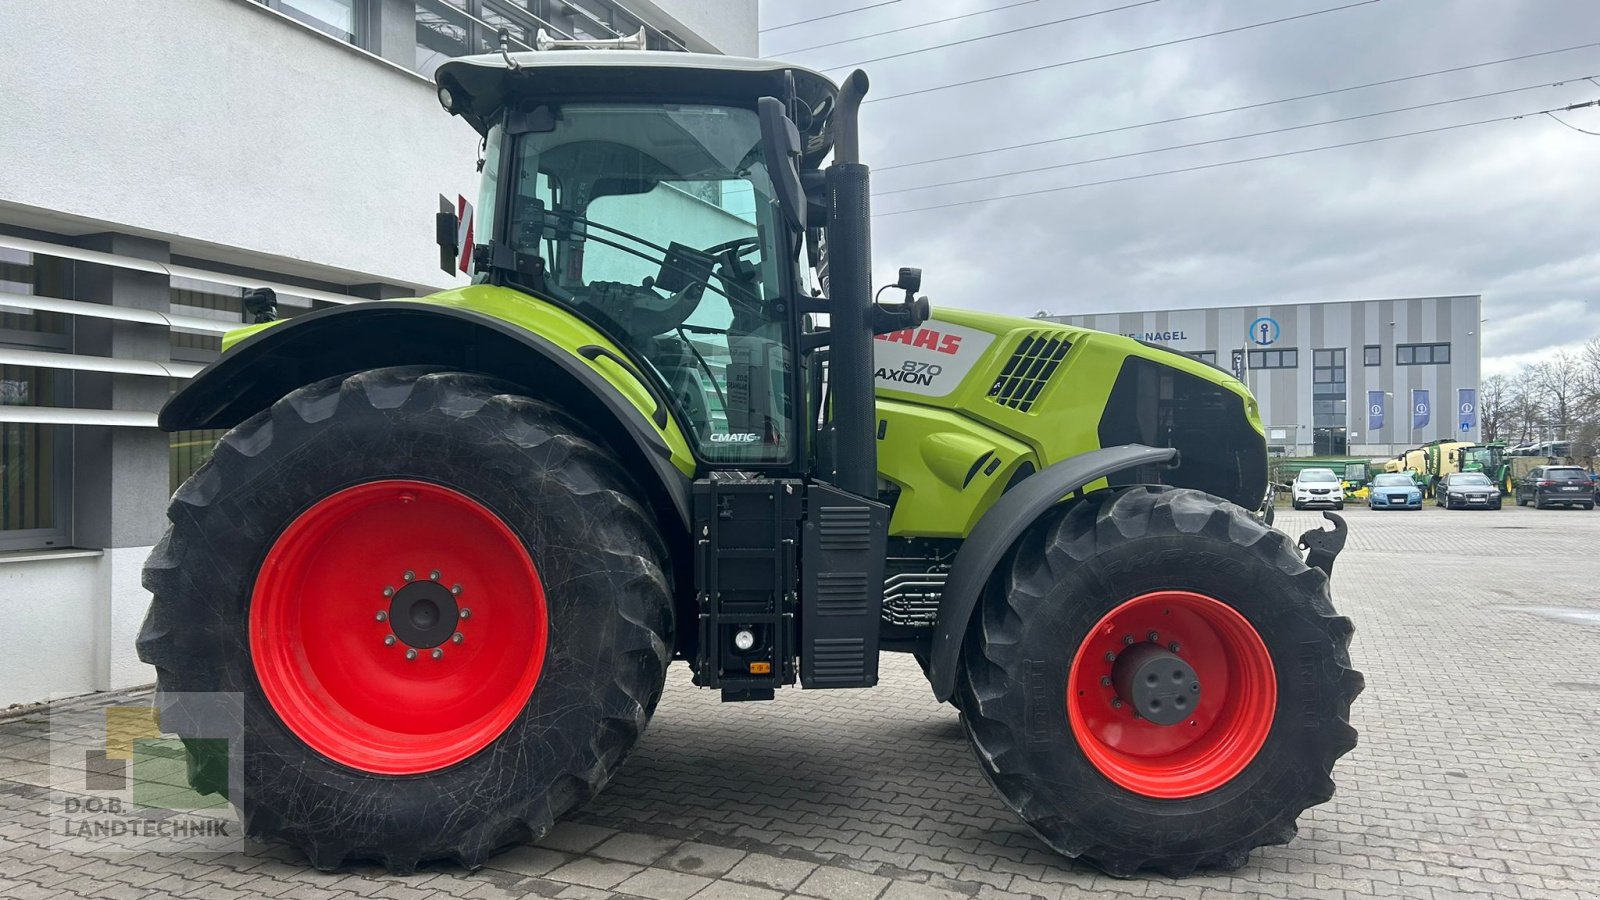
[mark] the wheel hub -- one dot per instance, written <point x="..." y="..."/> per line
<point x="1161" y="687"/>
<point x="423" y="614"/>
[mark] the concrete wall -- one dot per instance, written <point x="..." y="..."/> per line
<point x="1286" y="395"/>
<point x="50" y="645"/>
<point x="235" y="134"/>
<point x="727" y="25"/>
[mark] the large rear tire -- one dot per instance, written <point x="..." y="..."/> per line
<point x="1175" y="575"/>
<point x="446" y="613"/>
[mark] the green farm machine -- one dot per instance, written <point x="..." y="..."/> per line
<point x="448" y="547"/>
<point x="1429" y="463"/>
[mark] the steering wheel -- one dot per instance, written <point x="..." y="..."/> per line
<point x="640" y="311"/>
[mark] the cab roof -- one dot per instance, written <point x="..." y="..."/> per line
<point x="482" y="86"/>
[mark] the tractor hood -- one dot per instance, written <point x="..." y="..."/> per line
<point x="477" y="88"/>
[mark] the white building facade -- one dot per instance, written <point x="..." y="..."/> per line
<point x="159" y="158"/>
<point x="1359" y="378"/>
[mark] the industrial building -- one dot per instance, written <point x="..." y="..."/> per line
<point x="160" y="159"/>
<point x="1363" y="378"/>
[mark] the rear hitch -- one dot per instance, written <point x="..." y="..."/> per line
<point x="1322" y="546"/>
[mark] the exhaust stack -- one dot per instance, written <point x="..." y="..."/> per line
<point x="855" y="414"/>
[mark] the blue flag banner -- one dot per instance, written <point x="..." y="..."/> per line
<point x="1467" y="406"/>
<point x="1421" y="412"/>
<point x="1374" y="410"/>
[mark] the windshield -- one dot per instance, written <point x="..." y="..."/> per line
<point x="656" y="223"/>
<point x="1392" y="480"/>
<point x="1566" y="475"/>
<point x="1472" y="479"/>
<point x="1318" y="476"/>
<point x="1482" y="458"/>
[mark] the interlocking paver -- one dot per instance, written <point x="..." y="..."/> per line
<point x="1495" y="793"/>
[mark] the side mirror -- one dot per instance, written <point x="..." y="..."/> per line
<point x="445" y="228"/>
<point x="780" y="147"/>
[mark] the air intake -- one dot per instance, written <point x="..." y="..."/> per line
<point x="1028" y="370"/>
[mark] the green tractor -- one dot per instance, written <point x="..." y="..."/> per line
<point x="448" y="547"/>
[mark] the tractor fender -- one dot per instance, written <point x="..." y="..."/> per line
<point x="1000" y="527"/>
<point x="269" y="364"/>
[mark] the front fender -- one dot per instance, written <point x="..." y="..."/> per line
<point x="257" y="371"/>
<point x="999" y="528"/>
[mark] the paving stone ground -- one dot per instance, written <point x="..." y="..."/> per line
<point x="1478" y="772"/>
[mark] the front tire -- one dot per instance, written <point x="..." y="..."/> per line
<point x="444" y="609"/>
<point x="1254" y="623"/>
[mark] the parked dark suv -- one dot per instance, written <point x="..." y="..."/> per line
<point x="1551" y="485"/>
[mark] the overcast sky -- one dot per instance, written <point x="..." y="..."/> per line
<point x="1508" y="210"/>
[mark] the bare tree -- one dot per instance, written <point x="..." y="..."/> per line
<point x="1492" y="414"/>
<point x="1522" y="407"/>
<point x="1558" y="383"/>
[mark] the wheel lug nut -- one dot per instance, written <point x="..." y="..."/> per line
<point x="388" y="592"/>
<point x="434" y="575"/>
<point x="1154" y="636"/>
<point x="1110" y="657"/>
<point x="1115" y="703"/>
<point x="466" y="614"/>
<point x="438" y="653"/>
<point x="410" y="575"/>
<point x="1194" y="687"/>
<point x="412" y="653"/>
<point x="1174" y="647"/>
<point x="455" y="588"/>
<point x="1127" y="639"/>
<point x="383" y="615"/>
<point x="457" y="638"/>
<point x="388" y="640"/>
<point x="1105" y="681"/>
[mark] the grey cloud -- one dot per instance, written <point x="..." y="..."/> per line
<point x="1507" y="210"/>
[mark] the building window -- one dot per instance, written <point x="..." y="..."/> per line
<point x="1421" y="354"/>
<point x="1328" y="388"/>
<point x="188" y="451"/>
<point x="334" y="17"/>
<point x="1372" y="355"/>
<point x="35" y="459"/>
<point x="1205" y="356"/>
<point x="1275" y="359"/>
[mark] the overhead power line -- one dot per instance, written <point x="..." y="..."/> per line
<point x="835" y="15"/>
<point x="1234" y="109"/>
<point x="984" y="37"/>
<point x="1224" y="140"/>
<point x="1235" y="162"/>
<point x="1572" y="126"/>
<point x="1124" y="52"/>
<point x="862" y="37"/>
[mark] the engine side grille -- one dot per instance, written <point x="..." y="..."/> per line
<point x="1028" y="370"/>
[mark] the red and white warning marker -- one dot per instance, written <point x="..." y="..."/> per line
<point x="464" y="233"/>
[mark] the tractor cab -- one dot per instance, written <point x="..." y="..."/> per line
<point x="671" y="218"/>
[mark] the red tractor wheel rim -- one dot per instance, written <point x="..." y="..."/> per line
<point x="1229" y="723"/>
<point x="398" y="627"/>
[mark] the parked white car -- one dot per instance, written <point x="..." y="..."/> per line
<point x="1318" y="487"/>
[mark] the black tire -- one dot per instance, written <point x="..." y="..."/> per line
<point x="1070" y="569"/>
<point x="609" y="610"/>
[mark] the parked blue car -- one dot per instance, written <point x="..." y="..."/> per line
<point x="1393" y="490"/>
